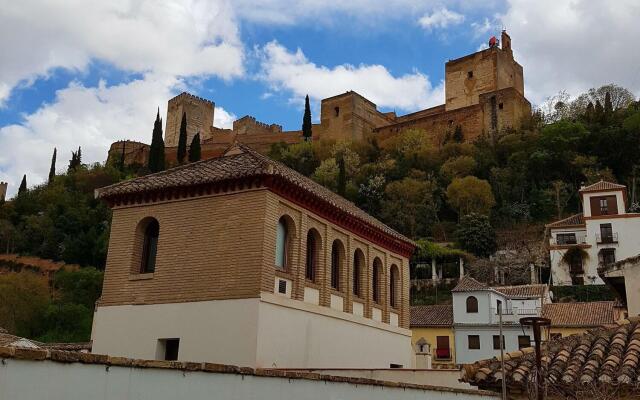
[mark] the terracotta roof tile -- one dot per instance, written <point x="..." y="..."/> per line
<point x="574" y="220"/>
<point x="240" y="161"/>
<point x="602" y="186"/>
<point x="602" y="357"/>
<point x="467" y="283"/>
<point x="589" y="314"/>
<point x="538" y="290"/>
<point x="432" y="315"/>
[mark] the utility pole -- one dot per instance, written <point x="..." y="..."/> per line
<point x="536" y="324"/>
<point x="504" y="378"/>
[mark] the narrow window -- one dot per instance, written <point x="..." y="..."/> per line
<point x="394" y="282"/>
<point x="500" y="106"/>
<point x="358" y="262"/>
<point x="606" y="233"/>
<point x="604" y="206"/>
<point x="312" y="254"/>
<point x="472" y="304"/>
<point x="524" y="341"/>
<point x="150" y="247"/>
<point x="608" y="256"/>
<point x="281" y="244"/>
<point x="443" y="351"/>
<point x="377" y="271"/>
<point x="336" y="110"/>
<point x="336" y="260"/>
<point x="470" y="74"/>
<point x="474" y="342"/>
<point x="496" y="342"/>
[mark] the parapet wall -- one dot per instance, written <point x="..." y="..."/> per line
<point x="249" y="124"/>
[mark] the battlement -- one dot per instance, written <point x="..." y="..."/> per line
<point x="185" y="95"/>
<point x="249" y="124"/>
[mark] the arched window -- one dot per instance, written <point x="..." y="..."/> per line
<point x="472" y="304"/>
<point x="358" y="264"/>
<point x="394" y="286"/>
<point x="377" y="280"/>
<point x="282" y="244"/>
<point x="337" y="255"/>
<point x="149" y="245"/>
<point x="313" y="245"/>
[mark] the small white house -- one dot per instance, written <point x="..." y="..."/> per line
<point x="602" y="234"/>
<point x="476" y="317"/>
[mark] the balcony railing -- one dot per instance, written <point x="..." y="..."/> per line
<point x="513" y="314"/>
<point x="443" y="354"/>
<point x="607" y="238"/>
<point x="579" y="239"/>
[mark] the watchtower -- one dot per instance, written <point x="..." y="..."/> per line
<point x="199" y="113"/>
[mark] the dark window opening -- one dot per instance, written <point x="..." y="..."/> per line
<point x="500" y="106"/>
<point x="575" y="264"/>
<point x="337" y="111"/>
<point x="170" y="349"/>
<point x="393" y="286"/>
<point x="282" y="286"/>
<point x="150" y="247"/>
<point x="335" y="264"/>
<point x="606" y="233"/>
<point x="496" y="342"/>
<point x="472" y="304"/>
<point x="395" y="365"/>
<point x="357" y="272"/>
<point x="310" y="268"/>
<point x="470" y="74"/>
<point x="608" y="256"/>
<point x="566" y="238"/>
<point x="377" y="267"/>
<point x="474" y="342"/>
<point x="524" y="341"/>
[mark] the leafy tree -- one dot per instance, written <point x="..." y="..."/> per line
<point x="458" y="167"/>
<point x="76" y="160"/>
<point x="306" y="120"/>
<point x="342" y="177"/>
<point x="194" y="149"/>
<point x="156" y="150"/>
<point x="299" y="156"/>
<point x="182" y="139"/>
<point x="23" y="185"/>
<point x="82" y="286"/>
<point x="23" y="301"/>
<point x="410" y="206"/>
<point x="608" y="106"/>
<point x="476" y="235"/>
<point x="470" y="195"/>
<point x="52" y="168"/>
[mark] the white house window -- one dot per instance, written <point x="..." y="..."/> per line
<point x="472" y="304"/>
<point x="281" y="244"/>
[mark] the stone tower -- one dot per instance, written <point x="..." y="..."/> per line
<point x="199" y="118"/>
<point x="3" y="190"/>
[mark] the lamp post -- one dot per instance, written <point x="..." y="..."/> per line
<point x="536" y="324"/>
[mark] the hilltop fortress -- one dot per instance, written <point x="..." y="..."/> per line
<point x="484" y="96"/>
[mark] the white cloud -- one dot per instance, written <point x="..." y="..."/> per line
<point x="440" y="18"/>
<point x="222" y="118"/>
<point x="575" y="45"/>
<point x="482" y="28"/>
<point x="180" y="38"/>
<point x="91" y="117"/>
<point x="292" y="71"/>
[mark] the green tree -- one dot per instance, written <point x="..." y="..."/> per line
<point x="182" y="139"/>
<point x="194" y="149"/>
<point x="76" y="160"/>
<point x="82" y="286"/>
<point x="608" y="106"/>
<point x="410" y="206"/>
<point x="458" y="136"/>
<point x="52" y="168"/>
<point x="342" y="177"/>
<point x="306" y="120"/>
<point x="23" y="185"/>
<point x="476" y="235"/>
<point x="156" y="150"/>
<point x="458" y="167"/>
<point x="23" y="300"/>
<point x="470" y="194"/>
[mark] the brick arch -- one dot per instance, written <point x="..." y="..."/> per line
<point x="290" y="237"/>
<point x="395" y="287"/>
<point x="377" y="281"/>
<point x="359" y="273"/>
<point x="313" y="251"/>
<point x="140" y="243"/>
<point x="337" y="265"/>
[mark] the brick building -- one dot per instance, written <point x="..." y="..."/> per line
<point x="241" y="260"/>
<point x="484" y="97"/>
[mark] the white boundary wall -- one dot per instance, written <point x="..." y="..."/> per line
<point x="44" y="379"/>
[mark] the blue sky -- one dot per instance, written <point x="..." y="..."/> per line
<point x="82" y="73"/>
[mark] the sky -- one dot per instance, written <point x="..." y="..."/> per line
<point x="90" y="72"/>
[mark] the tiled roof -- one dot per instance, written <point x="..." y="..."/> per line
<point x="601" y="359"/>
<point x="602" y="186"/>
<point x="432" y="315"/>
<point x="591" y="314"/>
<point x="240" y="161"/>
<point x="467" y="283"/>
<point x="538" y="290"/>
<point x="574" y="220"/>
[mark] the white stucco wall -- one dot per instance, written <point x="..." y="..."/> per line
<point x="273" y="331"/>
<point x="28" y="380"/>
<point x="464" y="355"/>
<point x="460" y="314"/>
<point x="294" y="334"/>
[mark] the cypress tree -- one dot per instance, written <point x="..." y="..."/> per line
<point x="194" y="149"/>
<point x="306" y="120"/>
<point x="182" y="139"/>
<point x="76" y="160"/>
<point x="458" y="136"/>
<point x="23" y="185"/>
<point x="608" y="106"/>
<point x="342" y="177"/>
<point x="52" y="169"/>
<point x="156" y="150"/>
<point x="589" y="112"/>
<point x="598" y="111"/>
